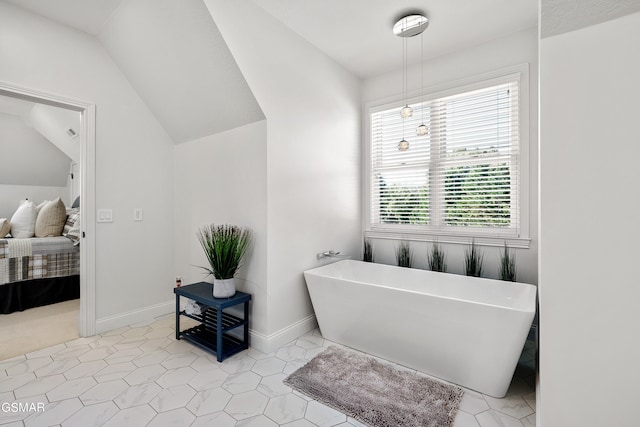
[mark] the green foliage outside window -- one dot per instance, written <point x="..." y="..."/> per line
<point x="401" y="204"/>
<point x="476" y="195"/>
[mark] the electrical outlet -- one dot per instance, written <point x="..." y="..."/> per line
<point x="137" y="214"/>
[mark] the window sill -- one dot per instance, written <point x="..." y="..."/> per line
<point x="460" y="239"/>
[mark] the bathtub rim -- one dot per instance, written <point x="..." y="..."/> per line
<point x="530" y="304"/>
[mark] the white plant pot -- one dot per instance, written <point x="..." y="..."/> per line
<point x="224" y="288"/>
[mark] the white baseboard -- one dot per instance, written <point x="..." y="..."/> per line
<point x="272" y="342"/>
<point x="259" y="341"/>
<point x="135" y="316"/>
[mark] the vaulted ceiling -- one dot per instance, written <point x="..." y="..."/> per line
<point x="176" y="59"/>
<point x="52" y="123"/>
<point x="174" y="56"/>
<point x="358" y="33"/>
<point x="88" y="16"/>
<point x="26" y="133"/>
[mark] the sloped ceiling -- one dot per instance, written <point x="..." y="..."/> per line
<point x="15" y="106"/>
<point x="86" y="15"/>
<point x="358" y="33"/>
<point x="172" y="54"/>
<point x="28" y="158"/>
<point x="53" y="123"/>
<point x="176" y="59"/>
<point x="50" y="122"/>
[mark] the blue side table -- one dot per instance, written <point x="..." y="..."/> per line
<point x="212" y="333"/>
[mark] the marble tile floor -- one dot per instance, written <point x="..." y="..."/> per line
<point x="142" y="376"/>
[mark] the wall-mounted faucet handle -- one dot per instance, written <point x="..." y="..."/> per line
<point x="330" y="254"/>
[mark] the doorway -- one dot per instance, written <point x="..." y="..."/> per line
<point x="86" y="172"/>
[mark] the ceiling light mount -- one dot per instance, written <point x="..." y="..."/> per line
<point x="410" y="25"/>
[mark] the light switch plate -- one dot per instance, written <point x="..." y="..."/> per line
<point x="137" y="214"/>
<point x="105" y="215"/>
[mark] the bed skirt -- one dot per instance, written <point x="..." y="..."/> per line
<point x="20" y="296"/>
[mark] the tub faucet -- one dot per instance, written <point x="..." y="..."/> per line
<point x="331" y="254"/>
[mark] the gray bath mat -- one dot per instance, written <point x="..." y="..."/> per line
<point x="374" y="393"/>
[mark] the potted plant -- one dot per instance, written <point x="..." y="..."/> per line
<point x="224" y="246"/>
<point x="367" y="254"/>
<point x="473" y="261"/>
<point x="404" y="256"/>
<point x="507" y="265"/>
<point x="436" y="258"/>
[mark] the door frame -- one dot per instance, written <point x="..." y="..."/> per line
<point x="87" y="137"/>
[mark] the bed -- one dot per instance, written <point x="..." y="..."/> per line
<point x="38" y="271"/>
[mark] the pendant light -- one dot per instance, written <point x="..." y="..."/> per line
<point x="405" y="27"/>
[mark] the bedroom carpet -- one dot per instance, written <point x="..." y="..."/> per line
<point x="25" y="331"/>
<point x="375" y="393"/>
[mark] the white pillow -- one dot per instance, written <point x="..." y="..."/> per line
<point x="23" y="222"/>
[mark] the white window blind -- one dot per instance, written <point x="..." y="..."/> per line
<point x="462" y="177"/>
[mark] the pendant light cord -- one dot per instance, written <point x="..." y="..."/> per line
<point x="404" y="78"/>
<point x="404" y="68"/>
<point x="422" y="77"/>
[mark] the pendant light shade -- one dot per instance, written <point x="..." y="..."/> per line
<point x="422" y="130"/>
<point x="403" y="145"/>
<point x="406" y="112"/>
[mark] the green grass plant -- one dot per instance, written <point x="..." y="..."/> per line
<point x="437" y="258"/>
<point x="473" y="261"/>
<point x="404" y="256"/>
<point x="367" y="253"/>
<point x="224" y="246"/>
<point x="507" y="265"/>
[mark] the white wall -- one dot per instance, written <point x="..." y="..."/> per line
<point x="313" y="153"/>
<point x="222" y="179"/>
<point x="134" y="157"/>
<point x="10" y="196"/>
<point x="515" y="49"/>
<point x="589" y="290"/>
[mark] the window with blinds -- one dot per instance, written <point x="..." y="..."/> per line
<point x="462" y="177"/>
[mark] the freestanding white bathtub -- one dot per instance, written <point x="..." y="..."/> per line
<point x="466" y="330"/>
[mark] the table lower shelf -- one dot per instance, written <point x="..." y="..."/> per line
<point x="209" y="318"/>
<point x="207" y="339"/>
